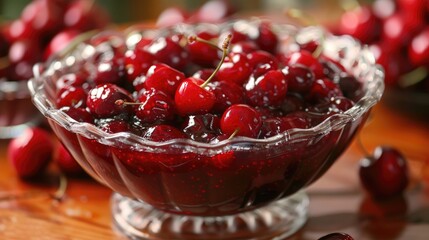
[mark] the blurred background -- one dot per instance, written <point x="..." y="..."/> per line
<point x="137" y="10"/>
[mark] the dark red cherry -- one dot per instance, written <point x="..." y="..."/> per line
<point x="114" y="125"/>
<point x="292" y="102"/>
<point x="337" y="236"/>
<point x="360" y="23"/>
<point x="236" y="36"/>
<point x="169" y="51"/>
<point x="307" y="59"/>
<point x="418" y="50"/>
<point x="299" y="78"/>
<point x="24" y="51"/>
<point x="227" y="94"/>
<point x="19" y="30"/>
<point x="235" y="68"/>
<point x="45" y="16"/>
<point x="161" y="77"/>
<point x="261" y="62"/>
<point x="266" y="40"/>
<point x="331" y="68"/>
<point x="277" y="125"/>
<point x="202" y="53"/>
<point x="84" y="15"/>
<point x="335" y="105"/>
<point x="267" y="90"/>
<point x="385" y="174"/>
<point x="102" y="101"/>
<point x="349" y="85"/>
<point x="244" y="47"/>
<point x="205" y="73"/>
<point x="398" y="30"/>
<point x="59" y="42"/>
<point x="202" y="128"/>
<point x="109" y="72"/>
<point x="78" y="114"/>
<point x="76" y="79"/>
<point x="72" y="97"/>
<point x="323" y="90"/>
<point x="241" y="120"/>
<point x="154" y="106"/>
<point x="162" y="133"/>
<point x="137" y="62"/>
<point x="192" y="98"/>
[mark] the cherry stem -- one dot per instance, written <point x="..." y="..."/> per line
<point x="318" y="51"/>
<point x="121" y="102"/>
<point x="299" y="15"/>
<point x="225" y="46"/>
<point x="234" y="133"/>
<point x="411" y="78"/>
<point x="4" y="62"/>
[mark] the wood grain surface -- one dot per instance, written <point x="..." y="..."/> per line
<point x="338" y="203"/>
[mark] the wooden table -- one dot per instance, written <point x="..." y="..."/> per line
<point x="338" y="204"/>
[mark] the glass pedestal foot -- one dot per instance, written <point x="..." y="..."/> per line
<point x="277" y="220"/>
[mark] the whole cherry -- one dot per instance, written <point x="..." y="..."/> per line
<point x="385" y="174"/>
<point x="241" y="120"/>
<point x="102" y="101"/>
<point x="267" y="90"/>
<point x="30" y="153"/>
<point x="337" y="236"/>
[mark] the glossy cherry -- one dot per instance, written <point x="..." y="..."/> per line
<point x="84" y="15"/>
<point x="162" y="133"/>
<point x="267" y="90"/>
<point x="235" y="68"/>
<point x="78" y="114"/>
<point x="137" y="62"/>
<point x="113" y="125"/>
<point x="44" y="15"/>
<point x="59" y="42"/>
<point x="226" y="94"/>
<point x="337" y="236"/>
<point x="266" y="40"/>
<point x="201" y="53"/>
<point x="385" y="174"/>
<point x="323" y="90"/>
<point x="72" y="97"/>
<point x="418" y="50"/>
<point x="171" y="16"/>
<point x="111" y="72"/>
<point x="307" y="59"/>
<point x="101" y="101"/>
<point x="277" y="125"/>
<point x="360" y="23"/>
<point x="261" y="62"/>
<point x="161" y="77"/>
<point x="169" y="51"/>
<point x="193" y="98"/>
<point x="299" y="78"/>
<point x="154" y="106"/>
<point x="241" y="120"/>
<point x="202" y="128"/>
<point x="30" y="153"/>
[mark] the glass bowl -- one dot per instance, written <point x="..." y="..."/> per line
<point x="16" y="109"/>
<point x="240" y="188"/>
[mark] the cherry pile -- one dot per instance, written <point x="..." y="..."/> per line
<point x="206" y="86"/>
<point x="398" y="34"/>
<point x="44" y="28"/>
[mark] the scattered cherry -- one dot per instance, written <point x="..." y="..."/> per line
<point x="337" y="236"/>
<point x="30" y="153"/>
<point x="385" y="174"/>
<point x="66" y="162"/>
<point x="102" y="100"/>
